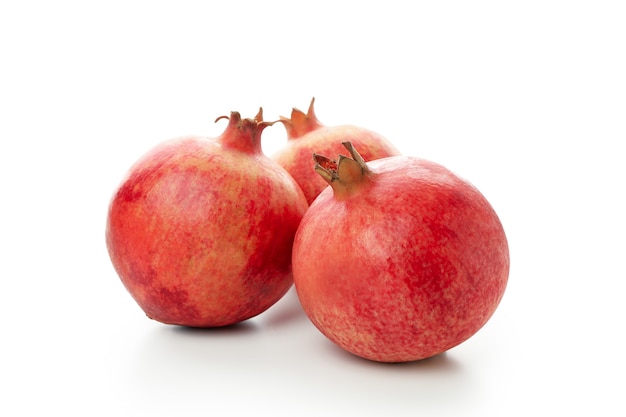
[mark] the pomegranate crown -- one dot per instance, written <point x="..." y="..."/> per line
<point x="343" y="174"/>
<point x="243" y="134"/>
<point x="301" y="123"/>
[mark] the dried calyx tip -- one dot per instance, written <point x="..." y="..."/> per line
<point x="311" y="111"/>
<point x="300" y="123"/>
<point x="236" y="117"/>
<point x="259" y="115"/>
<point x="325" y="167"/>
<point x="355" y="155"/>
<point x="225" y="117"/>
<point x="297" y="112"/>
<point x="344" y="170"/>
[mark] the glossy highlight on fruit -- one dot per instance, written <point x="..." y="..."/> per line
<point x="307" y="135"/>
<point x="399" y="259"/>
<point x="200" y="230"/>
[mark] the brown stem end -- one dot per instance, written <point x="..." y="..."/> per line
<point x="243" y="134"/>
<point x="345" y="175"/>
<point x="301" y="123"/>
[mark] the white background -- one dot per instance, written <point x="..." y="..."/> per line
<point x="527" y="100"/>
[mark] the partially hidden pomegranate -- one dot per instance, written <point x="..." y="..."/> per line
<point x="399" y="259"/>
<point x="201" y="229"/>
<point x="306" y="135"/>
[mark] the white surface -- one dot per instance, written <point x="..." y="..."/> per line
<point x="527" y="101"/>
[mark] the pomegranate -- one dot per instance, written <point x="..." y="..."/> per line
<point x="307" y="135"/>
<point x="399" y="259"/>
<point x="201" y="229"/>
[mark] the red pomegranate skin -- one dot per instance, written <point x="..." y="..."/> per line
<point x="401" y="262"/>
<point x="201" y="229"/>
<point x="307" y="135"/>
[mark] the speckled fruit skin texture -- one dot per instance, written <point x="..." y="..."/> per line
<point x="201" y="230"/>
<point x="307" y="135"/>
<point x="402" y="265"/>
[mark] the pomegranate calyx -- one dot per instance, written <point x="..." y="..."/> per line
<point x="235" y="119"/>
<point x="326" y="167"/>
<point x="243" y="134"/>
<point x="344" y="174"/>
<point x="300" y="123"/>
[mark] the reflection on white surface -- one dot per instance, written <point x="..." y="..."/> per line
<point x="280" y="361"/>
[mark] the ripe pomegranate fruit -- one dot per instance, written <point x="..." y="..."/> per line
<point x="201" y="229"/>
<point x="399" y="259"/>
<point x="307" y="135"/>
